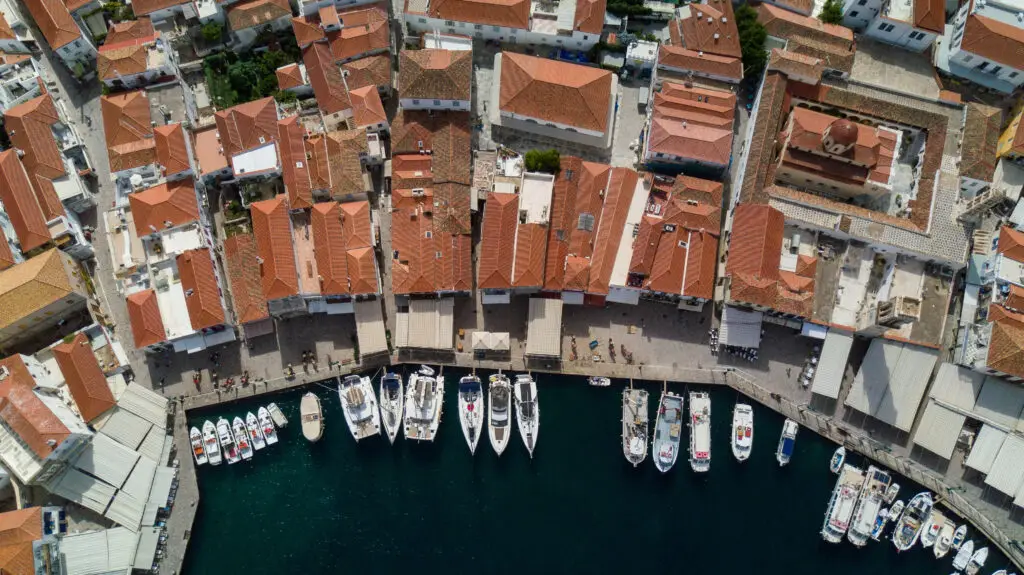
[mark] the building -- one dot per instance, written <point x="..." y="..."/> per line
<point x="136" y="62"/>
<point x="278" y="268"/>
<point x="979" y="151"/>
<point x="160" y="10"/>
<point x="690" y="127"/>
<point x="368" y="110"/>
<point x="328" y="85"/>
<point x="247" y="18"/>
<point x="910" y="25"/>
<point x="369" y="71"/>
<point x="293" y="78"/>
<point x="63" y="35"/>
<point x="832" y="44"/>
<point x="1011" y="140"/>
<point x="311" y="7"/>
<point x="984" y="45"/>
<point x="350" y="34"/>
<point x="39" y="293"/>
<point x="554" y="99"/>
<point x="248" y="134"/>
<point x="131" y="147"/>
<point x="28" y="548"/>
<point x="248" y="302"/>
<point x="84" y="378"/>
<point x="704" y="43"/>
<point x="15" y="35"/>
<point x="431" y="79"/>
<point x="19" y="80"/>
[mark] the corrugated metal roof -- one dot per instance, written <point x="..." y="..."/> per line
<point x="1007" y="471"/>
<point x="126" y="428"/>
<point x="141" y="479"/>
<point x="370" y="327"/>
<point x="107" y="459"/>
<point x="835" y="353"/>
<point x="891" y="382"/>
<point x="87" y="491"/>
<point x="1000" y="402"/>
<point x="986" y="447"/>
<point x="161" y="489"/>
<point x="544" y="328"/>
<point x="939" y="429"/>
<point x="153" y="445"/>
<point x="430" y="323"/>
<point x="957" y="386"/>
<point x="402" y="330"/>
<point x="741" y="328"/>
<point x="105" y="551"/>
<point x="126" y="510"/>
<point x="147" y="404"/>
<point x="145" y="553"/>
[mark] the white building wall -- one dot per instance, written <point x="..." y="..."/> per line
<point x="421" y="23"/>
<point x="457" y="105"/>
<point x="622" y="294"/>
<point x="1005" y="73"/>
<point x="13" y="46"/>
<point x="858" y="14"/>
<point x="656" y="84"/>
<point x="899" y="33"/>
<point x="80" y="51"/>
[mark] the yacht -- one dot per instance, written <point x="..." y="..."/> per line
<point x="359" y="404"/>
<point x="895" y="510"/>
<point x="423" y="402"/>
<point x="527" y="411"/>
<point x="668" y="428"/>
<point x="944" y="542"/>
<point x="267" y="425"/>
<point x="786" y="442"/>
<point x="227" y="442"/>
<point x="471" y="410"/>
<point x="869" y="506"/>
<point x="275" y="413"/>
<point x="959" y="536"/>
<point x="892" y="492"/>
<point x="392" y="399"/>
<point x="198" y="447"/>
<point x="499" y="418"/>
<point x="700" y="431"/>
<point x="912" y="521"/>
<point x="311" y="416"/>
<point x="255" y="433"/>
<point x="963" y="555"/>
<point x="977" y="561"/>
<point x="634" y="425"/>
<point x="932" y="528"/>
<point x="210" y="441"/>
<point x="596" y="381"/>
<point x="838" y="459"/>
<point x="742" y="431"/>
<point x="842" y="503"/>
<point x="241" y="438"/>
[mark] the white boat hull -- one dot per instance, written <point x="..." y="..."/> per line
<point x="227" y="441"/>
<point x="499" y="423"/>
<point x="471" y="419"/>
<point x="252" y="425"/>
<point x="422" y="418"/>
<point x="700" y="432"/>
<point x="391" y="409"/>
<point x="361" y="413"/>
<point x="527" y="411"/>
<point x="267" y="426"/>
<point x="198" y="446"/>
<point x="311" y="417"/>
<point x="241" y="438"/>
<point x="212" y="444"/>
<point x="742" y="437"/>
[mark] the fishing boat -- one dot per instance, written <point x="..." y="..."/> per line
<point x="700" y="431"/>
<point x="311" y="416"/>
<point x="963" y="555"/>
<point x="668" y="429"/>
<point x="198" y="451"/>
<point x="742" y="431"/>
<point x="423" y="405"/>
<point x="895" y="510"/>
<point x="892" y="492"/>
<point x="267" y="426"/>
<point x="959" y="536"/>
<point x="227" y="442"/>
<point x="241" y="438"/>
<point x="359" y="405"/>
<point x="595" y="381"/>
<point x="471" y="410"/>
<point x="977" y="561"/>
<point x="944" y="542"/>
<point x="210" y="442"/>
<point x="1000" y="572"/>
<point x="787" y="440"/>
<point x="838" y="458"/>
<point x="634" y="425"/>
<point x="869" y="506"/>
<point x="880" y="522"/>
<point x="932" y="528"/>
<point x="252" y="425"/>
<point x="841" y="504"/>
<point x="527" y="411"/>
<point x="275" y="413"/>
<point x="392" y="400"/>
<point x="912" y="521"/>
<point x="499" y="418"/>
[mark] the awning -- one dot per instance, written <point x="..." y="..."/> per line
<point x="1000" y="402"/>
<point x="957" y="386"/>
<point x="104" y="551"/>
<point x="939" y="429"/>
<point x="219" y="337"/>
<point x="740" y="328"/>
<point x="544" y="328"/>
<point x="813" y="330"/>
<point x="891" y="382"/>
<point x="428" y="325"/>
<point x="970" y="306"/>
<point x="1007" y="471"/>
<point x="835" y="352"/>
<point x="986" y="447"/>
<point x="490" y="341"/>
<point x="145" y="553"/>
<point x="370" y="328"/>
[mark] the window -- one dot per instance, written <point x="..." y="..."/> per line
<point x="462" y="24"/>
<point x="437" y="102"/>
<point x="478" y="27"/>
<point x="968" y="58"/>
<point x="982" y="66"/>
<point x="585" y="222"/>
<point x="584" y="37"/>
<point x="1012" y="75"/>
<point x="996" y="70"/>
<point x="416" y="102"/>
<point x="862" y="2"/>
<point x="882" y="26"/>
<point x="449" y="23"/>
<point x="560" y="235"/>
<point x="496" y="28"/>
<point x="423" y="20"/>
<point x="853" y="14"/>
<point x="513" y="31"/>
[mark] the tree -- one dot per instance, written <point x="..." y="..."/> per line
<point x="548" y="161"/>
<point x="831" y="12"/>
<point x="752" y="39"/>
<point x="213" y="31"/>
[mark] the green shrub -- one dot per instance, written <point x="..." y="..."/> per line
<point x="752" y="39"/>
<point x="831" y="12"/>
<point x="548" y="161"/>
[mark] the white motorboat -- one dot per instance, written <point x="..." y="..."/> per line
<point x="423" y="404"/>
<point x="892" y="492"/>
<point x="359" y="405"/>
<point x="1000" y="572"/>
<point x="944" y="542"/>
<point x="267" y="425"/>
<point x="596" y="381"/>
<point x="275" y="413"/>
<point x="210" y="442"/>
<point x="977" y="561"/>
<point x="471" y="410"/>
<point x="742" y="431"/>
<point x="634" y="425"/>
<point x="227" y="442"/>
<point x="700" y="431"/>
<point x="842" y="503"/>
<point x="392" y="402"/>
<point x="499" y="416"/>
<point x="198" y="448"/>
<point x="932" y="528"/>
<point x="869" y="506"/>
<point x="963" y="555"/>
<point x="668" y="431"/>
<point x="527" y="411"/>
<point x="880" y="522"/>
<point x="255" y="433"/>
<point x="838" y="458"/>
<point x="895" y="510"/>
<point x="912" y="521"/>
<point x="311" y="416"/>
<point x="787" y="440"/>
<point x="241" y="438"/>
<point x="959" y="536"/>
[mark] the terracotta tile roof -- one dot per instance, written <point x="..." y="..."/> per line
<point x="755" y="248"/>
<point x="807" y="131"/>
<point x="570" y="197"/>
<point x="1011" y="243"/>
<point x="660" y="257"/>
<point x="6" y="255"/>
<point x="618" y="196"/>
<point x="577" y="273"/>
<point x="435" y="74"/>
<point x="451" y="210"/>
<point x="84" y="377"/>
<point x="710" y="64"/>
<point x="244" y="276"/>
<point x="833" y="54"/>
<point x="555" y="91"/>
<point x="799" y="66"/>
<point x="701" y="263"/>
<point x="362" y="270"/>
<point x="128" y="129"/>
<point x="47" y="196"/>
<point x="803" y="7"/>
<point x="319" y="167"/>
<point x="325" y="77"/>
<point x="307" y="30"/>
<point x="788" y="23"/>
<point x="25" y="414"/>
<point x="243" y="126"/>
<point x="144" y="314"/>
<point x="428" y="259"/>
<point x="711" y="28"/>
<point x="329" y="248"/>
<point x="367" y="109"/>
<point x="645" y="245"/>
<point x="980" y="142"/>
<point x="531" y="251"/>
<point x="363" y="30"/>
<point x="368" y="71"/>
<point x="694" y="141"/>
<point x="294" y="163"/>
<point x="18" y="529"/>
<point x="30" y="128"/>
<point x="115" y="62"/>
<point x="1015" y="299"/>
<point x="273" y="231"/>
<point x="1006" y="344"/>
<point x="343" y="149"/>
<point x="497" y="241"/>
<point x="509" y="13"/>
<point x="54" y="21"/>
<point x="930" y="15"/>
<point x="143" y="7"/>
<point x="6" y="32"/>
<point x="358" y="227"/>
<point x="34" y="284"/>
<point x="164" y="206"/>
<point x="590" y="16"/>
<point x="994" y="40"/>
<point x="202" y="294"/>
<point x="329" y="16"/>
<point x="171" y="149"/>
<point x="411" y="171"/>
<point x="289" y="76"/>
<point x="130" y="30"/>
<point x="447" y="136"/>
<point x="253" y="13"/>
<point x="21" y="204"/>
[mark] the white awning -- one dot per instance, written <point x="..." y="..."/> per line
<point x="1007" y="471"/>
<point x="740" y="328"/>
<point x="835" y="353"/>
<point x="370" y="328"/>
<point x="126" y="510"/>
<point x="891" y="382"/>
<point x="125" y="428"/>
<point x="107" y="460"/>
<point x="986" y="447"/>
<point x="100" y="552"/>
<point x="145" y="553"/>
<point x="939" y="429"/>
<point x="490" y="340"/>
<point x="219" y="337"/>
<point x="153" y="445"/>
<point x="969" y="309"/>
<point x="1000" y="402"/>
<point x="141" y="479"/>
<point x="813" y="330"/>
<point x="544" y="328"/>
<point x="145" y="403"/>
<point x="429" y="324"/>
<point x="84" y="490"/>
<point x="957" y="386"/>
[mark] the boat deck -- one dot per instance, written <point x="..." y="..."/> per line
<point x="870" y="502"/>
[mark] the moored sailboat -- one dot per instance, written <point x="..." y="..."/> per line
<point x="210" y="443"/>
<point x="311" y="417"/>
<point x="499" y="416"/>
<point x="198" y="447"/>
<point x="700" y="431"/>
<point x="634" y="425"/>
<point x="423" y="405"/>
<point x="255" y="433"/>
<point x="912" y="521"/>
<point x="392" y="398"/>
<point x="527" y="411"/>
<point x="742" y="431"/>
<point x="471" y="410"/>
<point x="267" y="426"/>
<point x="359" y="405"/>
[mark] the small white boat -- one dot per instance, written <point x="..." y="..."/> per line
<point x="267" y="426"/>
<point x="427" y="371"/>
<point x="880" y="522"/>
<point x="595" y="381"/>
<point x="423" y="405"/>
<point x="932" y="528"/>
<point x="527" y="411"/>
<point x="275" y="413"/>
<point x="211" y="444"/>
<point x="311" y="417"/>
<point x="944" y="542"/>
<point x="786" y="442"/>
<point x="499" y="416"/>
<point x="742" y="431"/>
<point x="227" y="442"/>
<point x="241" y="438"/>
<point x="359" y="405"/>
<point x="700" y="431"/>
<point x="963" y="555"/>
<point x="634" y="425"/>
<point x="838" y="458"/>
<point x="252" y="425"/>
<point x="913" y="521"/>
<point x="1000" y="572"/>
<point x="392" y="401"/>
<point x="471" y="410"/>
<point x="977" y="561"/>
<point x="892" y="492"/>
<point x="959" y="536"/>
<point x="668" y="428"/>
<point x="895" y="510"/>
<point x="198" y="448"/>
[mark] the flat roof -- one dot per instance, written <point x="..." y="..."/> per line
<point x="544" y="328"/>
<point x="535" y="197"/>
<point x="891" y="382"/>
<point x="256" y="160"/>
<point x="835" y="353"/>
<point x="939" y="429"/>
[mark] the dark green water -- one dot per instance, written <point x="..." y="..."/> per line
<point x="578" y="507"/>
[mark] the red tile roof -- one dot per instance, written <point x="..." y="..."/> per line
<point x="20" y="203"/>
<point x="144" y="314"/>
<point x="325" y="77"/>
<point x="202" y="294"/>
<point x="30" y="128"/>
<point x="994" y="40"/>
<point x="128" y="129"/>
<point x="368" y="71"/>
<point x="428" y="259"/>
<point x="253" y="13"/>
<point x="508" y="13"/>
<point x="244" y="276"/>
<point x="114" y="62"/>
<point x="755" y="248"/>
<point x="130" y="31"/>
<point x="930" y="15"/>
<point x="701" y="63"/>
<point x="247" y="126"/>
<point x="54" y="21"/>
<point x="1006" y="344"/>
<point x="436" y="74"/>
<point x="18" y="530"/>
<point x="84" y="377"/>
<point x="531" y="251"/>
<point x="711" y="28"/>
<point x="618" y="196"/>
<point x="579" y="189"/>
<point x="590" y="16"/>
<point x="1011" y="243"/>
<point x="164" y="206"/>
<point x="25" y="414"/>
<point x="294" y="163"/>
<point x="307" y="30"/>
<point x="343" y="246"/>
<point x="554" y="91"/>
<point x="171" y="149"/>
<point x="289" y="76"/>
<point x="367" y="109"/>
<point x="364" y="30"/>
<point x="497" y="243"/>
<point x="143" y="7"/>
<point x="273" y="232"/>
<point x="692" y="141"/>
